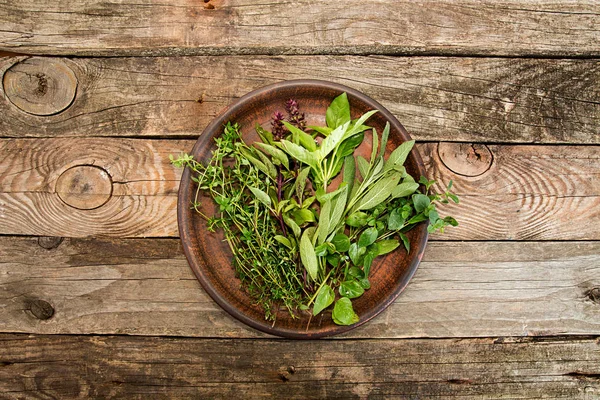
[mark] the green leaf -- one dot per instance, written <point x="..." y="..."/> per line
<point x="257" y="163"/>
<point x="323" y="130"/>
<point x="453" y="197"/>
<point x="341" y="242"/>
<point x="343" y="313"/>
<point x="351" y="289"/>
<point x="338" y="206"/>
<point x="417" y="218"/>
<point x="308" y="256"/>
<point x="349" y="172"/>
<point x="451" y="221"/>
<point x="299" y="153"/>
<point x="395" y="220"/>
<point x="374" y="147"/>
<point x="338" y="112"/>
<point x="405" y="241"/>
<point x="324" y="221"/>
<point x="321" y="250"/>
<point x="270" y="166"/>
<point x="399" y="155"/>
<point x="356" y="272"/>
<point x="364" y="282"/>
<point x="368" y="237"/>
<point x="355" y="253"/>
<point x="384" y="139"/>
<point x="308" y="201"/>
<point x="293" y="225"/>
<point x="358" y="126"/>
<point x="404" y="189"/>
<point x="333" y="259"/>
<point x="274" y="152"/>
<point x="302" y="216"/>
<point x="349" y="145"/>
<point x="378" y="192"/>
<point x="324" y="299"/>
<point x="368" y="261"/>
<point x="387" y="246"/>
<point x="363" y="166"/>
<point x="301" y="137"/>
<point x="332" y="141"/>
<point x="283" y="240"/>
<point x="420" y="202"/>
<point x="301" y="182"/>
<point x="265" y="135"/>
<point x="260" y="195"/>
<point x="323" y="197"/>
<point x="357" y="219"/>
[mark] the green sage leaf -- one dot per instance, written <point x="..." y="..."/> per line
<point x="308" y="256"/>
<point x="261" y="196"/>
<point x="404" y="189"/>
<point x="399" y="155"/>
<point x="274" y="152"/>
<point x="378" y="192"/>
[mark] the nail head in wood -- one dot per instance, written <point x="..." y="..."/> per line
<point x="40" y="86"/>
<point x="41" y="309"/>
<point x="465" y="158"/>
<point x="84" y="187"/>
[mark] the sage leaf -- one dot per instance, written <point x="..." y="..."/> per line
<point x="269" y="164"/>
<point x="261" y="196"/>
<point x="301" y="183"/>
<point x="375" y="145"/>
<point x="308" y="256"/>
<point x="293" y="225"/>
<point x="323" y="130"/>
<point x="283" y="240"/>
<point x="343" y="313"/>
<point x="274" y="152"/>
<point x="349" y="172"/>
<point x="363" y="166"/>
<point x="338" y="112"/>
<point x="384" y="139"/>
<point x="338" y="206"/>
<point x="324" y="222"/>
<point x="265" y="135"/>
<point x="378" y="192"/>
<point x="324" y="299"/>
<point x="332" y="141"/>
<point x="399" y="155"/>
<point x="351" y="289"/>
<point x="368" y="237"/>
<point x="404" y="189"/>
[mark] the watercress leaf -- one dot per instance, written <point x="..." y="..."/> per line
<point x="374" y="147"/>
<point x="395" y="220"/>
<point x="321" y="250"/>
<point x="451" y="221"/>
<point x="357" y="219"/>
<point x="341" y="242"/>
<point x="338" y="112"/>
<point x="333" y="259"/>
<point x="301" y="183"/>
<point x="355" y="252"/>
<point x="404" y="189"/>
<point x="380" y="191"/>
<point x="324" y="299"/>
<point x="349" y="172"/>
<point x="384" y="139"/>
<point x="363" y="166"/>
<point x="343" y="313"/>
<point x="420" y="202"/>
<point x="364" y="282"/>
<point x="399" y="155"/>
<point x="299" y="153"/>
<point x="433" y="216"/>
<point x="405" y="241"/>
<point x="265" y="135"/>
<point x="368" y="261"/>
<point x="301" y="137"/>
<point x="293" y="225"/>
<point x="323" y="130"/>
<point x="261" y="196"/>
<point x="274" y="152"/>
<point x="283" y="240"/>
<point x="356" y="272"/>
<point x="368" y="236"/>
<point x="302" y="216"/>
<point x="351" y="289"/>
<point x="387" y="246"/>
<point x="332" y="141"/>
<point x="324" y="222"/>
<point x="308" y="255"/>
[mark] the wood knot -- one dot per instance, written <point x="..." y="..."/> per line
<point x="465" y="159"/>
<point x="49" y="242"/>
<point x="40" y="86"/>
<point x="41" y="309"/>
<point x="594" y="295"/>
<point x="84" y="187"/>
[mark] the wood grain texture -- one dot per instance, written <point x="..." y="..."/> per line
<point x="145" y="287"/>
<point x="451" y="99"/>
<point x="509" y="27"/>
<point x="528" y="193"/>
<point x="141" y="368"/>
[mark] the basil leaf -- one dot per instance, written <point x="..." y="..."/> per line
<point x="324" y="299"/>
<point x="368" y="237"/>
<point x="299" y="153"/>
<point x="364" y="282"/>
<point x="349" y="145"/>
<point x="338" y="112"/>
<point x="301" y="137"/>
<point x="343" y="313"/>
<point x="341" y="242"/>
<point x="323" y="130"/>
<point x="332" y="141"/>
<point x="302" y="216"/>
<point x="308" y="256"/>
<point x="351" y="289"/>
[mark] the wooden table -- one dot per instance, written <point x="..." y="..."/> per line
<point x="96" y="297"/>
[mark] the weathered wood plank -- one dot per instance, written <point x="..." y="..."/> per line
<point x="48" y="188"/>
<point x="465" y="27"/>
<point x="145" y="287"/>
<point x="139" y="368"/>
<point x="451" y="99"/>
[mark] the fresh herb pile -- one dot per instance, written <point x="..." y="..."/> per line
<point x="296" y="238"/>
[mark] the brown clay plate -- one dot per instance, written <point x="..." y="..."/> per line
<point x="210" y="258"/>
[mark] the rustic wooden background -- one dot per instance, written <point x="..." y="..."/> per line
<point x="96" y="297"/>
